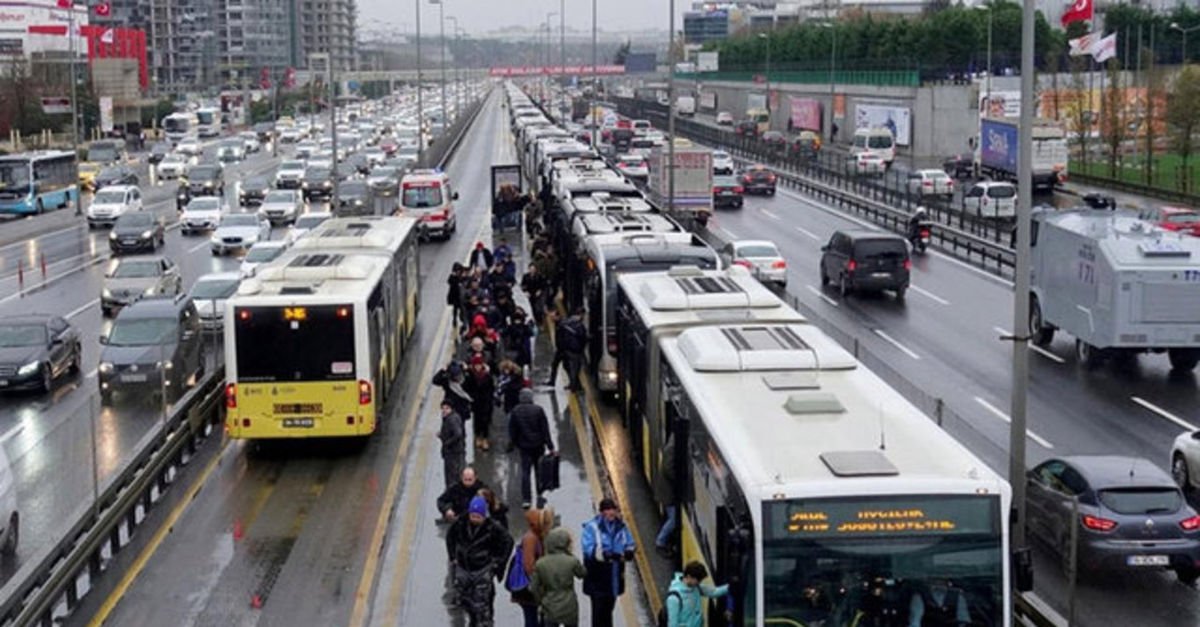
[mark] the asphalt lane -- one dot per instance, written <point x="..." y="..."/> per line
<point x="943" y="342"/>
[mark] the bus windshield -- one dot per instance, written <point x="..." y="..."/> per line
<point x="849" y="561"/>
<point x="14" y="176"/>
<point x="175" y="124"/>
<point x="204" y="117"/>
<point x="314" y="343"/>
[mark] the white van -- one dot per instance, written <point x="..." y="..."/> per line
<point x="878" y="141"/>
<point x="9" y="517"/>
<point x="427" y="195"/>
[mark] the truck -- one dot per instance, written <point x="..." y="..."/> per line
<point x="996" y="151"/>
<point x="1116" y="283"/>
<point x="693" y="197"/>
<point x="685" y="106"/>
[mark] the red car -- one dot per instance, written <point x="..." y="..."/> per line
<point x="1179" y="220"/>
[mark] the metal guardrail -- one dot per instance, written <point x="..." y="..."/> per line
<point x="1137" y="188"/>
<point x="50" y="583"/>
<point x="440" y="152"/>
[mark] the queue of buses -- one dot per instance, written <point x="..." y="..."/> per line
<point x="806" y="482"/>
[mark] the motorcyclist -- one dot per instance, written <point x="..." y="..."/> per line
<point x="918" y="217"/>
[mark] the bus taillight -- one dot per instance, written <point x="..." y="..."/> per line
<point x="364" y="392"/>
<point x="230" y="396"/>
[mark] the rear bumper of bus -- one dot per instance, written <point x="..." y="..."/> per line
<point x="299" y="410"/>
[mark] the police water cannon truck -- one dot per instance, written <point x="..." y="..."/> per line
<point x="1116" y="283"/>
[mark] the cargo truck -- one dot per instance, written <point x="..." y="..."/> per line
<point x="1118" y="284"/>
<point x="693" y="201"/>
<point x="996" y="152"/>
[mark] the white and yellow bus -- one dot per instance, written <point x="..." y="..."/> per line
<point x="315" y="340"/>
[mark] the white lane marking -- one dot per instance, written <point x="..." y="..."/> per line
<point x="980" y="271"/>
<point x="1164" y="413"/>
<point x="930" y="295"/>
<point x="1035" y="348"/>
<point x="91" y="373"/>
<point x="197" y="247"/>
<point x="11" y="433"/>
<point x="822" y="295"/>
<point x="769" y="214"/>
<point x="808" y="233"/>
<point x="995" y="411"/>
<point x="894" y="342"/>
<point x="82" y="308"/>
<point x="731" y="234"/>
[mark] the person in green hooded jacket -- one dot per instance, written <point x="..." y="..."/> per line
<point x="553" y="582"/>
<point x="685" y="598"/>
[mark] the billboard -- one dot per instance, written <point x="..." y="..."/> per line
<point x="1002" y="104"/>
<point x="998" y="145"/>
<point x="708" y="100"/>
<point x="636" y="62"/>
<point x="542" y="70"/>
<point x="756" y="101"/>
<point x="707" y="61"/>
<point x="839" y="107"/>
<point x="806" y="114"/>
<point x="106" y="114"/>
<point x="896" y="119"/>
<point x="35" y="26"/>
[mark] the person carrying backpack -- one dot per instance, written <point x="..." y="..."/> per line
<point x="684" y="605"/>
<point x="529" y="550"/>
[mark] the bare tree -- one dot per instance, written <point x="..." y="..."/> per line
<point x="1079" y="118"/>
<point x="1183" y="117"/>
<point x="1112" y="126"/>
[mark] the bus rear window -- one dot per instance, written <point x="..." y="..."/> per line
<point x="314" y="343"/>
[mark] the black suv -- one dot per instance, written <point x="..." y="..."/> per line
<point x="206" y="180"/>
<point x="866" y="261"/>
<point x="318" y="181"/>
<point x="154" y="346"/>
<point x="136" y="231"/>
<point x="36" y="348"/>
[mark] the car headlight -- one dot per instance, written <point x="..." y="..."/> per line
<point x="28" y="368"/>
<point x="149" y="291"/>
<point x="164" y="365"/>
<point x="327" y="183"/>
<point x="112" y="235"/>
<point x="304" y="184"/>
<point x="358" y="201"/>
<point x="106" y="293"/>
<point x="105" y="367"/>
<point x="146" y="234"/>
<point x="208" y="183"/>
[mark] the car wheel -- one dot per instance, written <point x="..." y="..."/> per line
<point x="1040" y="332"/>
<point x="40" y="207"/>
<point x="1183" y="359"/>
<point x="900" y="293"/>
<point x="47" y="377"/>
<point x="824" y="278"/>
<point x="771" y="191"/>
<point x="1187" y="575"/>
<point x="843" y="287"/>
<point x="14" y="533"/>
<point x="1180" y="473"/>
<point x="77" y="361"/>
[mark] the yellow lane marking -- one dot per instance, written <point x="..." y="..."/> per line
<point x="140" y="563"/>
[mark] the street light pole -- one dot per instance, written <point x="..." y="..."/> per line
<point x="671" y="112"/>
<point x="988" y="79"/>
<point x="1184" y="31"/>
<point x="595" y="83"/>
<point x="442" y="22"/>
<point x="562" y="53"/>
<point x="549" y="53"/>
<point x="767" y="76"/>
<point x="420" y="94"/>
<point x="74" y="106"/>
<point x="454" y="31"/>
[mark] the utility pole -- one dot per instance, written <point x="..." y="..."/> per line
<point x="442" y="24"/>
<point x="420" y="93"/>
<point x="671" y="113"/>
<point x="595" y="84"/>
<point x="562" y="55"/>
<point x="74" y="103"/>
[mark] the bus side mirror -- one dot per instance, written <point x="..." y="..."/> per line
<point x="1022" y="565"/>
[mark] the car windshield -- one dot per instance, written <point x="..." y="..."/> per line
<point x="280" y="196"/>
<point x="1182" y="218"/>
<point x="161" y="148"/>
<point x="633" y="160"/>
<point x="353" y="188"/>
<point x="256" y="182"/>
<point x="240" y="220"/>
<point x="1140" y="501"/>
<point x="108" y="197"/>
<point x="718" y="154"/>
<point x="174" y="158"/>
<point x="141" y="331"/>
<point x="204" y="172"/>
<point x="880" y="141"/>
<point x="204" y="204"/>
<point x="214" y="288"/>
<point x="139" y="269"/>
<point x="422" y="197"/>
<point x="1002" y="191"/>
<point x="757" y="250"/>
<point x="108" y="173"/>
<point x="317" y="173"/>
<point x="261" y="254"/>
<point x="870" y="248"/>
<point x="382" y="172"/>
<point x="13" y="335"/>
<point x="135" y="220"/>
<point x="291" y="165"/>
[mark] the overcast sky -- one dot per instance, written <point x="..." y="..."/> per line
<point x="477" y="16"/>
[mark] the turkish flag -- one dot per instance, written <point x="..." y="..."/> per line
<point x="104" y="9"/>
<point x="1080" y="10"/>
<point x="64" y="4"/>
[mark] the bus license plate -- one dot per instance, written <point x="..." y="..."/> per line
<point x="133" y="378"/>
<point x="1148" y="560"/>
<point x="298" y="423"/>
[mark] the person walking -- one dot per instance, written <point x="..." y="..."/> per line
<point x="529" y="434"/>
<point x="450" y="379"/>
<point x="497" y="509"/>
<point x="454" y="501"/>
<point x="685" y="597"/>
<point x="666" y="493"/>
<point x="478" y="547"/>
<point x="482" y="388"/>
<point x="607" y="545"/>
<point x="508" y="388"/>
<point x="532" y="545"/>
<point x="535" y="285"/>
<point x="553" y="581"/>
<point x="570" y="338"/>
<point x="454" y="444"/>
<point x="455" y="288"/>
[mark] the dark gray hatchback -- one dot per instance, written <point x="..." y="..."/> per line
<point x="866" y="261"/>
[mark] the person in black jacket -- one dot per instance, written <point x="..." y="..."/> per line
<point x="478" y="547"/>
<point x="453" y="502"/>
<point x="482" y="388"/>
<point x="529" y="434"/>
<point x="481" y="257"/>
<point x="454" y="444"/>
<point x="451" y="379"/>
<point x="570" y="338"/>
<point x="456" y="286"/>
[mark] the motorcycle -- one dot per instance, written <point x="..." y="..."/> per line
<point x="919" y="238"/>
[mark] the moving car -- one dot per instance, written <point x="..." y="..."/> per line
<point x="1127" y="514"/>
<point x="260" y="253"/>
<point x="746" y="128"/>
<point x="202" y="214"/>
<point x="861" y="260"/>
<point x="154" y="347"/>
<point x="725" y="118"/>
<point x="991" y="199"/>
<point x="250" y="142"/>
<point x="129" y="279"/>
<point x="758" y="179"/>
<point x="1178" y="219"/>
<point x="238" y="232"/>
<point x="384" y="180"/>
<point x="190" y="147"/>
<point x="281" y="206"/>
<point x="172" y="166"/>
<point x="428" y="196"/>
<point x="775" y="140"/>
<point x="306" y="223"/>
<point x="866" y="163"/>
<point x="760" y="257"/>
<point x="209" y="294"/>
<point x="115" y="175"/>
<point x="960" y="166"/>
<point x="930" y="183"/>
<point x="634" y="167"/>
<point x="137" y="231"/>
<point x="111" y="203"/>
<point x="727" y="192"/>
<point x="318" y="181"/>
<point x="252" y="190"/>
<point x="35" y="349"/>
<point x="354" y="199"/>
<point x="158" y="152"/>
<point x="805" y="145"/>
<point x="206" y="179"/>
<point x="232" y="152"/>
<point x="290" y="175"/>
<point x="722" y="162"/>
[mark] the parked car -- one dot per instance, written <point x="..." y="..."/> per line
<point x="158" y="152"/>
<point x="154" y="349"/>
<point x="260" y="253"/>
<point x="209" y="294"/>
<point x="206" y="179"/>
<point x="252" y="190"/>
<point x="758" y="179"/>
<point x="281" y="206"/>
<point x="317" y="182"/>
<point x="129" y="279"/>
<point x="115" y="175"/>
<point x="727" y="192"/>
<point x="960" y="166"/>
<point x="761" y="257"/>
<point x="930" y="183"/>
<point x="1127" y="514"/>
<point x="172" y="166"/>
<point x="238" y="232"/>
<point x="202" y="214"/>
<point x="137" y="231"/>
<point x="861" y="260"/>
<point x="111" y="203"/>
<point x="724" y="118"/>
<point x="36" y="349"/>
<point x="722" y="162"/>
<point x="991" y="199"/>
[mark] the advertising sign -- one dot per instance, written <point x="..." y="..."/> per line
<point x="106" y="114"/>
<point x="806" y="114"/>
<point x="839" y="106"/>
<point x="540" y="70"/>
<point x="998" y="146"/>
<point x="896" y="119"/>
<point x="708" y="100"/>
<point x="707" y="61"/>
<point x="1003" y="104"/>
<point x="756" y="101"/>
<point x="636" y="62"/>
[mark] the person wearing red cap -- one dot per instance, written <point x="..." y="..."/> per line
<point x="482" y="389"/>
<point x="481" y="257"/>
